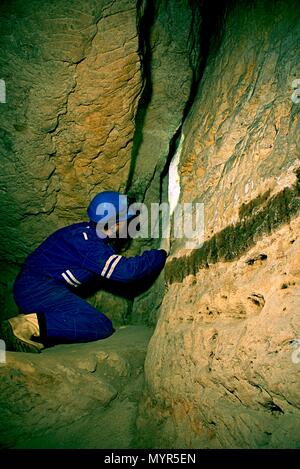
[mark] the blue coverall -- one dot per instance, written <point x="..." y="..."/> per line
<point x="70" y="257"/>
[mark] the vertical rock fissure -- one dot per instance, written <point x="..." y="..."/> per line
<point x="210" y="33"/>
<point x="145" y="20"/>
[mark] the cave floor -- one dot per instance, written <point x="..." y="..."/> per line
<point x="74" y="395"/>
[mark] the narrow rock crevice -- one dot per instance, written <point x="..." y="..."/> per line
<point x="205" y="36"/>
<point x="145" y="20"/>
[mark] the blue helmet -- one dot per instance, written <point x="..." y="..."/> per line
<point x="108" y="204"/>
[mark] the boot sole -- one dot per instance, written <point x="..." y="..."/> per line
<point x="13" y="343"/>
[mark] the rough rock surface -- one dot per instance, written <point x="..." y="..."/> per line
<point x="242" y="134"/>
<point x="73" y="80"/>
<point x="219" y="368"/>
<point x="74" y="396"/>
<point x="172" y="48"/>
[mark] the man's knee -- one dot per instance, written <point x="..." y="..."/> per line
<point x="105" y="328"/>
<point x="87" y="325"/>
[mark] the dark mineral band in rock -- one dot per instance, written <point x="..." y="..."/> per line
<point x="234" y="240"/>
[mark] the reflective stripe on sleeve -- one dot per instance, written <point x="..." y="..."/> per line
<point x="72" y="277"/>
<point x="113" y="266"/>
<point x="64" y="275"/>
<point x="107" y="264"/>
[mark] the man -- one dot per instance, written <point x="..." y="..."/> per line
<point x="45" y="289"/>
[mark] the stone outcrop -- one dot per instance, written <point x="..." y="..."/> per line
<point x="74" y="396"/>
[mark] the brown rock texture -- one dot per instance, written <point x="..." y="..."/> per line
<point x="242" y="134"/>
<point x="173" y="49"/>
<point x="74" y="396"/>
<point x="219" y="367"/>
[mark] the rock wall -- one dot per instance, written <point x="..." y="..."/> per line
<point x="219" y="368"/>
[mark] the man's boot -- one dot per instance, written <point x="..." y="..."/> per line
<point x="21" y="333"/>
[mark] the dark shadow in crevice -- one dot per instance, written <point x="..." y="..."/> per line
<point x="213" y="14"/>
<point x="145" y="21"/>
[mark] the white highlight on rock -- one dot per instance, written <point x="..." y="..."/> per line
<point x="174" y="178"/>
